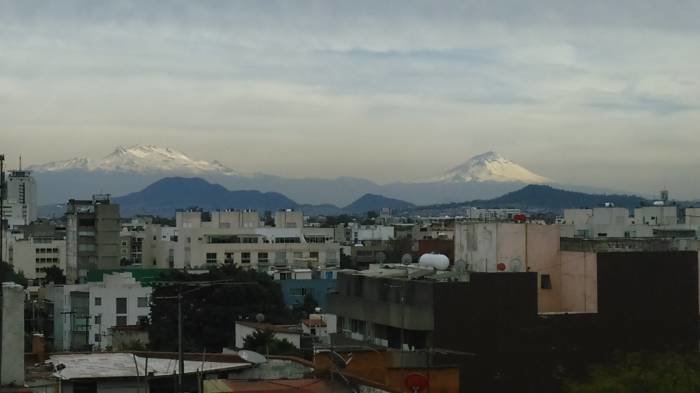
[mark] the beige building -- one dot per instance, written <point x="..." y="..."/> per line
<point x="220" y="241"/>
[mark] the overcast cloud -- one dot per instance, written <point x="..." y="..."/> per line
<point x="598" y="93"/>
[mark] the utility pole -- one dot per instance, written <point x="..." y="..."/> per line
<point x="2" y="205"/>
<point x="180" y="351"/>
<point x="197" y="285"/>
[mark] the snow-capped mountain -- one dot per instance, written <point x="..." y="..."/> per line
<point x="141" y="159"/>
<point x="491" y="167"/>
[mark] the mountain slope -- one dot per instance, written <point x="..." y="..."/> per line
<point x="542" y="197"/>
<point x="491" y="167"/>
<point x="140" y="159"/>
<point x="373" y="202"/>
<point x="166" y="195"/>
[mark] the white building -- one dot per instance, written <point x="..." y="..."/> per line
<point x="33" y="255"/>
<point x="656" y="215"/>
<point x="288" y="218"/>
<point x="20" y="206"/>
<point x="85" y="313"/>
<point x="206" y="243"/>
<point x="117" y="301"/>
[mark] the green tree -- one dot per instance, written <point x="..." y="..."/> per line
<point x="643" y="372"/>
<point x="54" y="274"/>
<point x="263" y="341"/>
<point x="8" y="274"/>
<point x="210" y="313"/>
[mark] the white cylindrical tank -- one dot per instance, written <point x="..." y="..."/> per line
<point x="437" y="261"/>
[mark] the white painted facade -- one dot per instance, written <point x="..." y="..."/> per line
<point x="117" y="301"/>
<point x="656" y="215"/>
<point x="99" y="312"/>
<point x="31" y="256"/>
<point x="20" y="206"/>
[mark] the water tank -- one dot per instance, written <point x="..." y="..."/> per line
<point x="437" y="261"/>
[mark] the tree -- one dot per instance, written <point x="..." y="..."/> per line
<point x="263" y="341"/>
<point x="643" y="372"/>
<point x="54" y="274"/>
<point x="8" y="274"/>
<point x="210" y="313"/>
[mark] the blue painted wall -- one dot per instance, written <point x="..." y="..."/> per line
<point x="318" y="288"/>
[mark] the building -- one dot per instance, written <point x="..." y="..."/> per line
<point x="34" y="255"/>
<point x="412" y="308"/>
<point x="11" y="334"/>
<point x="20" y="205"/>
<point x="124" y="372"/>
<point x="495" y="214"/>
<point x="92" y="236"/>
<point x="291" y="333"/>
<point x="202" y="242"/>
<point x="117" y="301"/>
<point x="83" y="314"/>
<point x="288" y="218"/>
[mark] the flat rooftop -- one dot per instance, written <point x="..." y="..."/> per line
<point x="121" y="365"/>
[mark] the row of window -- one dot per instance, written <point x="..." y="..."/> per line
<point x="47" y="250"/>
<point x="263" y="257"/>
<point x="46" y="260"/>
<point x="121" y="303"/>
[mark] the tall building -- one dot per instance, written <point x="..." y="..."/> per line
<point x="20" y="205"/>
<point x="92" y="236"/>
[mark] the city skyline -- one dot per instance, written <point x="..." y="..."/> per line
<point x="604" y="95"/>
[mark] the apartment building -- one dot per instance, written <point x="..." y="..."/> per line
<point x="219" y="240"/>
<point x="84" y="314"/>
<point x="92" y="236"/>
<point x="36" y="247"/>
<point x="20" y="205"/>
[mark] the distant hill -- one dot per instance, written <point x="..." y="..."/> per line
<point x="166" y="195"/>
<point x="374" y="202"/>
<point x="542" y="197"/>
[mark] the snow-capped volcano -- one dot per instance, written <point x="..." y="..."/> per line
<point x="491" y="167"/>
<point x="141" y="159"/>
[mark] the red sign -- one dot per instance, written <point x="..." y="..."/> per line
<point x="416" y="382"/>
<point x="501" y="267"/>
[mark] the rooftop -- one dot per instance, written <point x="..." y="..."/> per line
<point x="290" y="329"/>
<point x="120" y="365"/>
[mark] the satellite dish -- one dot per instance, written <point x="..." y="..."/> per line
<point x="252" y="357"/>
<point x="260" y="317"/>
<point x="406" y="259"/>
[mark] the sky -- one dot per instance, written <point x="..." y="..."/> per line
<point x="597" y="93"/>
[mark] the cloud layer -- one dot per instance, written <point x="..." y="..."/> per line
<point x="591" y="93"/>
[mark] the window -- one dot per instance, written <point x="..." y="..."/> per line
<point x="121" y="320"/>
<point x="357" y="326"/>
<point x="98" y="301"/>
<point x="211" y="257"/>
<point x="313" y="255"/>
<point x="245" y="257"/>
<point x="228" y="257"/>
<point x="287" y="240"/>
<point x="263" y="257"/>
<point x="98" y="320"/>
<point x="250" y="240"/>
<point x="142" y="302"/>
<point x="545" y="281"/>
<point x="97" y="337"/>
<point x="121" y="305"/>
<point x="300" y="291"/>
<point x="285" y="276"/>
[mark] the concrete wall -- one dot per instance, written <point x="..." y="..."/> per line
<point x="12" y="332"/>
<point x="580" y="282"/>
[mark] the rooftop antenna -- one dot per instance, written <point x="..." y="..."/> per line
<point x="20" y="162"/>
